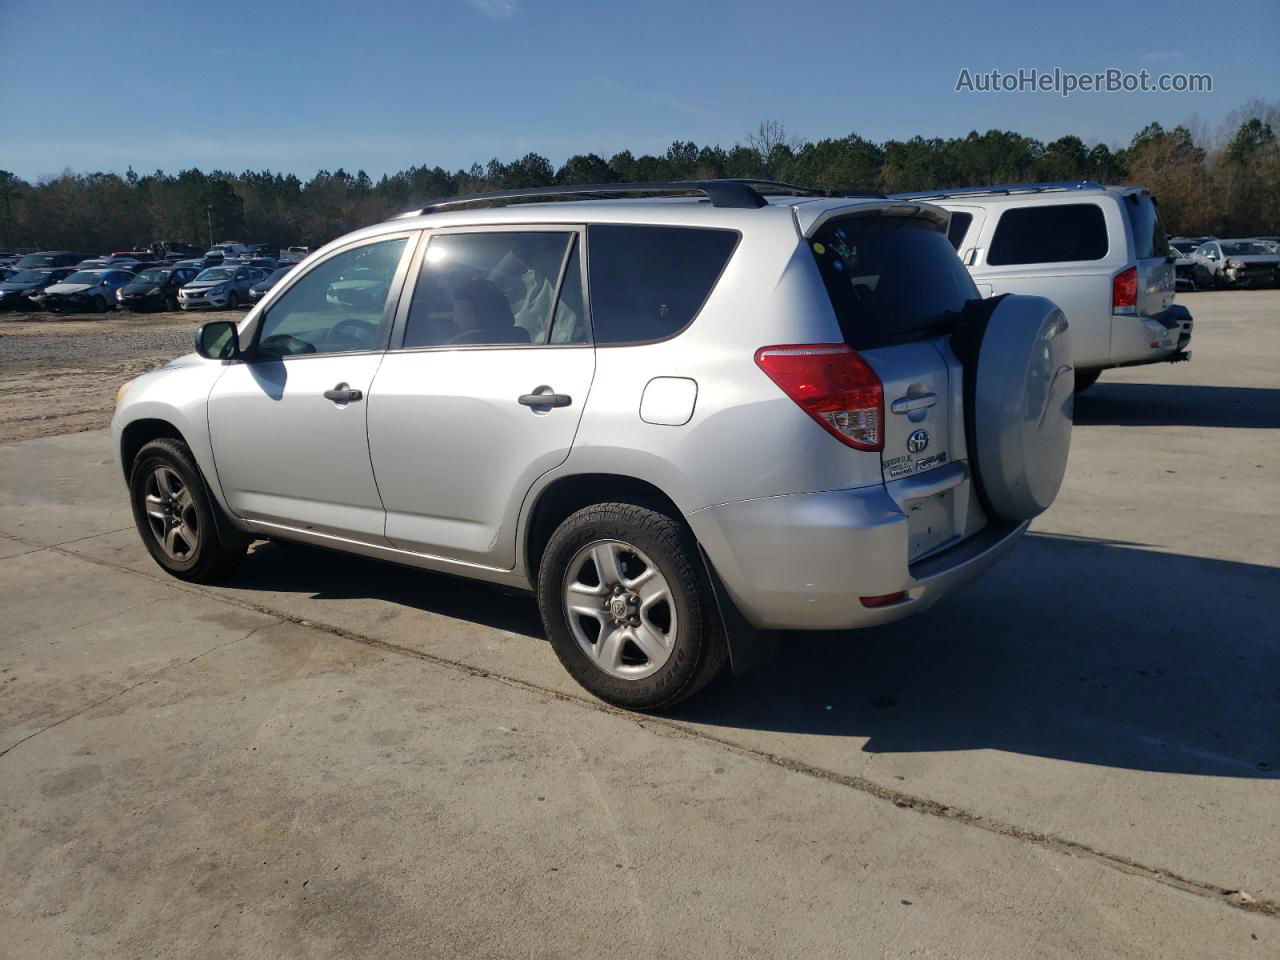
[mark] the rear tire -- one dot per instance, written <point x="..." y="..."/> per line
<point x="1086" y="379"/>
<point x="177" y="517"/>
<point x="669" y="644"/>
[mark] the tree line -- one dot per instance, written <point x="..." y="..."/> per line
<point x="1225" y="186"/>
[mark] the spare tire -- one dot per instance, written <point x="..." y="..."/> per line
<point x="1018" y="391"/>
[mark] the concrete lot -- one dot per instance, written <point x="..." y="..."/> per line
<point x="1078" y="756"/>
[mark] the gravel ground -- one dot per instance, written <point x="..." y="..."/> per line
<point x="60" y="374"/>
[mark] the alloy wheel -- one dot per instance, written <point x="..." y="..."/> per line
<point x="619" y="608"/>
<point x="171" y="514"/>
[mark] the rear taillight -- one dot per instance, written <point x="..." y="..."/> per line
<point x="833" y="385"/>
<point x="1124" y="292"/>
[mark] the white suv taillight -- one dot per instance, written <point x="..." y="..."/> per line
<point x="1124" y="292"/>
<point x="833" y="385"/>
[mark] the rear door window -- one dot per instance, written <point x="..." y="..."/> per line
<point x="648" y="283"/>
<point x="1058" y="233"/>
<point x="485" y="289"/>
<point x="890" y="279"/>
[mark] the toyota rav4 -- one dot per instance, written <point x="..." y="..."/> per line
<point x="686" y="421"/>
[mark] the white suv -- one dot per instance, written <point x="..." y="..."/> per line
<point x="1100" y="253"/>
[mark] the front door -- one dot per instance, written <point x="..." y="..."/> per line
<point x="287" y="425"/>
<point x="484" y="390"/>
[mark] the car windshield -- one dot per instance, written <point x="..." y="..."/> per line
<point x="277" y="274"/>
<point x="83" y="276"/>
<point x="1183" y="247"/>
<point x="153" y="276"/>
<point x="1244" y="249"/>
<point x="36" y="260"/>
<point x="215" y="273"/>
<point x="28" y="276"/>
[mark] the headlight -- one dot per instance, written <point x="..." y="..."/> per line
<point x="124" y="388"/>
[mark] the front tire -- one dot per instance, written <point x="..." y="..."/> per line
<point x="233" y="300"/>
<point x="99" y="305"/>
<point x="177" y="517"/>
<point x="627" y="605"/>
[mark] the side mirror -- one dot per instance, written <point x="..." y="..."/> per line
<point x="218" y="340"/>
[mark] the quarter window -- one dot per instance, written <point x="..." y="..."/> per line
<point x="337" y="306"/>
<point x="491" y="288"/>
<point x="1058" y="233"/>
<point x="958" y="227"/>
<point x="648" y="283"/>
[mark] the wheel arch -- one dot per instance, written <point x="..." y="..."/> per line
<point x="139" y="433"/>
<point x="568" y="494"/>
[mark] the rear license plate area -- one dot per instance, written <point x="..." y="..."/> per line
<point x="930" y="523"/>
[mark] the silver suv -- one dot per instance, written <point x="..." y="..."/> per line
<point x="686" y="421"/>
<point x="1100" y="253"/>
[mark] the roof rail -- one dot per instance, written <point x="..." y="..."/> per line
<point x="1008" y="188"/>
<point x="740" y="194"/>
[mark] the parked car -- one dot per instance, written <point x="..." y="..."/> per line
<point x="757" y="426"/>
<point x="155" y="288"/>
<point x="261" y="250"/>
<point x="101" y="263"/>
<point x="1235" y="263"/>
<point x="84" y="290"/>
<point x="168" y="250"/>
<point x="295" y="254"/>
<point x="1098" y="252"/>
<point x="259" y="289"/>
<point x="201" y="263"/>
<point x="16" y="291"/>
<point x="51" y="258"/>
<point x="216" y="288"/>
<point x="1183" y="272"/>
<point x="227" y="248"/>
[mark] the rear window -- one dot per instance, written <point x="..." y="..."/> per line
<point x="648" y="283"/>
<point x="958" y="227"/>
<point x="1059" y="233"/>
<point x="1148" y="232"/>
<point x="890" y="279"/>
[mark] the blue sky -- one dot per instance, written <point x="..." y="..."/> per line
<point x="383" y="84"/>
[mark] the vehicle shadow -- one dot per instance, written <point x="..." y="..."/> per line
<point x="278" y="567"/>
<point x="1103" y="652"/>
<point x="1093" y="651"/>
<point x="1163" y="404"/>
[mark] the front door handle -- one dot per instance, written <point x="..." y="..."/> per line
<point x="343" y="393"/>
<point x="913" y="402"/>
<point x="545" y="399"/>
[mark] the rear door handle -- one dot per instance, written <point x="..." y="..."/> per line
<point x="343" y="393"/>
<point x="545" y="399"/>
<point x="912" y="402"/>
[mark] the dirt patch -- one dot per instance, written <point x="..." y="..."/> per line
<point x="60" y="374"/>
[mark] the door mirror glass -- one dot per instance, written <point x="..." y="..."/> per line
<point x="218" y="340"/>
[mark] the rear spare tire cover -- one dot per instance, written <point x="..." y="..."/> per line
<point x="1019" y="386"/>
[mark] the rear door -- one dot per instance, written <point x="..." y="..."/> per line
<point x="484" y="391"/>
<point x="898" y="289"/>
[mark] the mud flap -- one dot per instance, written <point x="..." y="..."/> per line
<point x="749" y="646"/>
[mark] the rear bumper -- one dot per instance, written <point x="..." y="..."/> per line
<point x="1161" y="338"/>
<point x="803" y="561"/>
